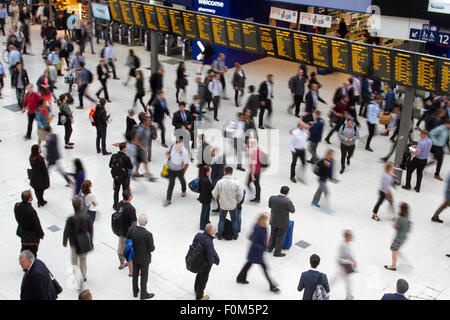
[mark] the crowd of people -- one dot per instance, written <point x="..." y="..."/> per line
<point x="216" y="184"/>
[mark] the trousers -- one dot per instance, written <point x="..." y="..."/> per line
<point x="201" y="279"/>
<point x="243" y="274"/>
<point x="321" y="189"/>
<point x="277" y="236"/>
<point x="101" y="135"/>
<point x="143" y="269"/>
<point x="346" y="152"/>
<point x="172" y="175"/>
<point x="31" y="118"/>
<point x="79" y="260"/>
<point x="298" y="153"/>
<point x="117" y="184"/>
<point x="418" y="164"/>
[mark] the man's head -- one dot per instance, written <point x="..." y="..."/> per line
<point x="160" y="94"/>
<point x="78" y="54"/>
<point x="29" y="88"/>
<point x="102" y="102"/>
<point x="378" y="99"/>
<point x="349" y="122"/>
<point x="85" y="295"/>
<point x="181" y="106"/>
<point x="217" y="76"/>
<point x="123" y="146"/>
<point x="346" y="84"/>
<point x="26" y="259"/>
<point x="314" y="260"/>
<point x="270" y="77"/>
<point x="27" y="196"/>
<point x="402" y="286"/>
<point x="329" y="155"/>
<point x="284" y="190"/>
<point x="228" y="171"/>
<point x="77" y="205"/>
<point x="142" y="220"/>
<point x="221" y="57"/>
<point x="301" y="125"/>
<point x="251" y="89"/>
<point x="81" y="64"/>
<point x="317" y="114"/>
<point x="179" y="141"/>
<point x="127" y="195"/>
<point x="19" y="66"/>
<point x="161" y="70"/>
<point x="314" y="86"/>
<point x="198" y="79"/>
<point x="210" y="229"/>
<point x="196" y="99"/>
<point x="424" y="134"/>
<point x="348" y="235"/>
<point x="300" y="72"/>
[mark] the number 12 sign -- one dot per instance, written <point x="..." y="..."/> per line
<point x="443" y="39"/>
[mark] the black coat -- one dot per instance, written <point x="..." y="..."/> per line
<point x="29" y="227"/>
<point x="177" y="120"/>
<point x="310" y="106"/>
<point x="209" y="253"/>
<point x="101" y="75"/>
<point x="78" y="223"/>
<point x="253" y="104"/>
<point x="323" y="170"/>
<point x="281" y="207"/>
<point x="40" y="83"/>
<point x="15" y="78"/>
<point x="238" y="80"/>
<point x="263" y="91"/>
<point x="206" y="188"/>
<point x="37" y="284"/>
<point x="297" y="85"/>
<point x="156" y="82"/>
<point x="129" y="216"/>
<point x="143" y="245"/>
<point x="158" y="111"/>
<point x="100" y="117"/>
<point x="126" y="163"/>
<point x="39" y="174"/>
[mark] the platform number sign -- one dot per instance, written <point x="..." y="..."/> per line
<point x="443" y="39"/>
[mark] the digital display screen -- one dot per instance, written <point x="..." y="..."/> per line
<point x="219" y="30"/>
<point x="127" y="15"/>
<point x="204" y="27"/>
<point x="403" y="68"/>
<point x="138" y="14"/>
<point x="190" y="25"/>
<point x="340" y="54"/>
<point x="360" y="59"/>
<point x="439" y="6"/>
<point x="163" y="19"/>
<point x="100" y="11"/>
<point x="150" y="17"/>
<point x="176" y="20"/>
<point x="426" y="72"/>
<point x="284" y="44"/>
<point x="302" y="47"/>
<point x="234" y="31"/>
<point x="444" y="71"/>
<point x="114" y="7"/>
<point x="320" y="51"/>
<point x="267" y="40"/>
<point x="250" y="35"/>
<point x="382" y="63"/>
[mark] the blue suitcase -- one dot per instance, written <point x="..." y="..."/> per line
<point x="288" y="240"/>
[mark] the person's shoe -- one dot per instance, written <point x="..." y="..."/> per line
<point x="348" y="161"/>
<point x="242" y="281"/>
<point x="261" y="127"/>
<point x="436" y="219"/>
<point x="218" y="237"/>
<point x="167" y="203"/>
<point x="255" y="200"/>
<point x="71" y="143"/>
<point x="116" y="78"/>
<point x="205" y="297"/>
<point x="327" y="141"/>
<point x="216" y="119"/>
<point x="406" y="187"/>
<point x="298" y="116"/>
<point x="293" y="180"/>
<point x="240" y="168"/>
<point x="183" y="194"/>
<point x="315" y="204"/>
<point x="280" y="255"/>
<point x="164" y="145"/>
<point x="342" y="171"/>
<point x="235" y="237"/>
<point x="438" y="177"/>
<point x="369" y="149"/>
<point x="152" y="178"/>
<point x="79" y="107"/>
<point x="383" y="159"/>
<point x="106" y="153"/>
<point x="68" y="147"/>
<point x="97" y="95"/>
<point x="416" y="189"/>
<point x="269" y="249"/>
<point x="138" y="175"/>
<point x="147" y="296"/>
<point x="392" y="140"/>
<point x="27" y="138"/>
<point x="123" y="265"/>
<point x="310" y="161"/>
<point x="392" y="269"/>
<point x="274" y="289"/>
<point x="384" y="134"/>
<point x="108" y="100"/>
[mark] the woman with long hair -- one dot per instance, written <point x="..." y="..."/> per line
<point x="181" y="81"/>
<point x="238" y="83"/>
<point x="89" y="199"/>
<point x="45" y="85"/>
<point x="64" y="109"/>
<point x="140" y="90"/>
<point x="79" y="175"/>
<point x="205" y="198"/>
<point x="256" y="252"/>
<point x="385" y="192"/>
<point x="402" y="225"/>
<point x="39" y="179"/>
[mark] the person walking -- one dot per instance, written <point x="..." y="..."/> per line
<point x="220" y="68"/>
<point x="265" y="99"/>
<point x="3" y="15"/>
<point x="110" y="57"/>
<point x="205" y="239"/>
<point x="53" y="155"/>
<point x="216" y="89"/>
<point x="156" y="84"/>
<point x="280" y="205"/>
<point x="46" y="85"/>
<point x="79" y="175"/>
<point x="159" y="109"/>
<point x="205" y="188"/>
<point x="208" y="53"/>
<point x="183" y="120"/>
<point x="80" y="234"/>
<point x="297" y="144"/>
<point x="348" y="134"/>
<point x="143" y="246"/>
<point x="373" y="113"/>
<point x="85" y="77"/>
<point x="446" y="203"/>
<point x="20" y="81"/>
<point x="30" y="102"/>
<point x="89" y="199"/>
<point x="310" y="280"/>
<point x="238" y="83"/>
<point x="421" y="153"/>
<point x="324" y="170"/>
<point x="29" y="228"/>
<point x="133" y="63"/>
<point x="315" y="131"/>
<point x="228" y="193"/>
<point x="256" y="252"/>
<point x="204" y="94"/>
<point x="439" y="137"/>
<point x="401" y="288"/>
<point x="338" y="113"/>
<point x="252" y="102"/>
<point x="39" y="179"/>
<point x="181" y="81"/>
<point x="178" y="163"/>
<point x="385" y="191"/>
<point x="255" y="168"/>
<point x="403" y="226"/>
<point x="103" y="76"/>
<point x="101" y="118"/>
<point x="347" y="263"/>
<point x="2" y="76"/>
<point x="311" y="101"/>
<point x="64" y="109"/>
<point x="142" y="140"/>
<point x="297" y="88"/>
<point x="120" y="164"/>
<point x="140" y="90"/>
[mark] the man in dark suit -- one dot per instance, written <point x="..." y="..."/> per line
<point x="36" y="283"/>
<point x="156" y="84"/>
<point x="252" y="102"/>
<point x="29" y="227"/>
<point x="143" y="247"/>
<point x="311" y="102"/>
<point x="341" y="91"/>
<point x="281" y="205"/>
<point x="309" y="280"/>
<point x="182" y="119"/>
<point x="265" y="99"/>
<point x="159" y="109"/>
<point x="297" y="87"/>
<point x="402" y="287"/>
<point x="101" y="118"/>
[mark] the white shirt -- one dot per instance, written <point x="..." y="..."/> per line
<point x="269" y="90"/>
<point x="215" y="86"/>
<point x="178" y="158"/>
<point x="91" y="202"/>
<point x="298" y="139"/>
<point x="356" y="86"/>
<point x="109" y="53"/>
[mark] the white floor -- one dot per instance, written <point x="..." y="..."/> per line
<point x="174" y="227"/>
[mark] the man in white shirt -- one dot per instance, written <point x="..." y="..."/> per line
<point x="13" y="58"/>
<point x="297" y="145"/>
<point x="238" y="127"/>
<point x="216" y="89"/>
<point x="179" y="160"/>
<point x="110" y="57"/>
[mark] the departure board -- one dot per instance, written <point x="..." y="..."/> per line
<point x="302" y="47"/>
<point x="204" y="27"/>
<point x="176" y="20"/>
<point x="284" y="44"/>
<point x="219" y="29"/>
<point x="403" y="63"/>
<point x="444" y="82"/>
<point x="190" y="25"/>
<point x="360" y="59"/>
<point x="426" y="72"/>
<point x="234" y="32"/>
<point x="150" y="17"/>
<point x="114" y="8"/>
<point x="163" y="19"/>
<point x="138" y="14"/>
<point x="320" y="51"/>
<point x="127" y="15"/>
<point x="250" y="36"/>
<point x="266" y="40"/>
<point x="340" y="55"/>
<point x="381" y="63"/>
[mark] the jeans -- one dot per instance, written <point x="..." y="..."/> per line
<point x="346" y="152"/>
<point x="31" y="118"/>
<point x="234" y="222"/>
<point x="418" y="164"/>
<point x="242" y="276"/>
<point x="67" y="131"/>
<point x="298" y="153"/>
<point x="20" y="94"/>
<point x="298" y="99"/>
<point x="216" y="101"/>
<point x="239" y="217"/>
<point x="113" y="67"/>
<point x="312" y="149"/>
<point x="371" y="127"/>
<point x="200" y="282"/>
<point x="204" y="216"/>
<point x="172" y="175"/>
<point x="321" y="189"/>
<point x="82" y="92"/>
<point x="257" y="185"/>
<point x="90" y="43"/>
<point x="92" y="214"/>
<point x="101" y="135"/>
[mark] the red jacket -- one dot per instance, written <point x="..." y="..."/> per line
<point x="31" y="101"/>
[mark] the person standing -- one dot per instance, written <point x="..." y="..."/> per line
<point x="28" y="224"/>
<point x="402" y="225"/>
<point x="439" y="137"/>
<point x="79" y="226"/>
<point x="178" y="163"/>
<point x="446" y="203"/>
<point x="220" y="68"/>
<point x="373" y="113"/>
<point x="297" y="145"/>
<point x="36" y="282"/>
<point x="89" y="199"/>
<point x="181" y="81"/>
<point x="42" y="119"/>
<point x="315" y="131"/>
<point x="205" y="239"/>
<point x="265" y="99"/>
<point x="101" y="118"/>
<point x="30" y="102"/>
<point x="108" y="54"/>
<point x="88" y="35"/>
<point x="205" y="197"/>
<point x="297" y="87"/>
<point x="203" y="93"/>
<point x="325" y="172"/>
<point x="129" y="219"/>
<point x="421" y="153"/>
<point x="385" y="192"/>
<point x="348" y="133"/>
<point x="142" y="139"/>
<point x="256" y="252"/>
<point x="208" y="53"/>
<point x="183" y="120"/>
<point x="39" y="180"/>
<point x="353" y="96"/>
<point x="103" y="76"/>
<point x="156" y="84"/>
<point x="20" y="81"/>
<point x="311" y="279"/>
<point x="311" y="101"/>
<point x="281" y="205"/>
<point x="347" y="263"/>
<point x="255" y="169"/>
<point x="238" y="83"/>
<point x="65" y="110"/>
<point x="120" y="164"/>
<point x="216" y="89"/>
<point x="401" y="288"/>
<point x="143" y="246"/>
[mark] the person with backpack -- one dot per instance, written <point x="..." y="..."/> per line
<point x="204" y="241"/>
<point x="348" y="134"/>
<point x="323" y="169"/>
<point x="133" y="63"/>
<point x="80" y="233"/>
<point x="256" y="252"/>
<point x="101" y="122"/>
<point x="314" y="282"/>
<point x="85" y="78"/>
<point x="122" y="220"/>
<point x="120" y="165"/>
<point x="178" y="163"/>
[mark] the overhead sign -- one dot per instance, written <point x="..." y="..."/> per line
<point x="429" y="33"/>
<point x="283" y="14"/>
<point x="318" y="20"/>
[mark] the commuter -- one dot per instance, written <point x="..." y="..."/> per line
<point x="252" y="102"/>
<point x="446" y="203"/>
<point x="401" y="288"/>
<point x="338" y="114"/>
<point x="103" y="76"/>
<point x="89" y="199"/>
<point x="366" y="96"/>
<point x="156" y="84"/>
<point x="216" y="89"/>
<point x="315" y="130"/>
<point x="14" y="11"/>
<point x="140" y="90"/>
<point x="30" y="102"/>
<point x="203" y="94"/>
<point x="297" y="145"/>
<point x="2" y="75"/>
<point x="64" y="109"/>
<point x="85" y="77"/>
<point x="133" y="63"/>
<point x="373" y="112"/>
<point x="255" y="168"/>
<point x="220" y="68"/>
<point x="347" y="263"/>
<point x="88" y="35"/>
<point x="53" y="154"/>
<point x="20" y="81"/>
<point x="85" y="295"/>
<point x="385" y="191"/>
<point x="3" y="15"/>
<point x="348" y="133"/>
<point x="324" y="170"/>
<point x="353" y="100"/>
<point x="439" y="137"/>
<point x="208" y="53"/>
<point x="265" y="99"/>
<point x="195" y="108"/>
<point x="29" y="227"/>
<point x="101" y="118"/>
<point x="120" y="164"/>
<point x="311" y="279"/>
<point x="403" y="226"/>
<point x="183" y="120"/>
<point x="181" y="81"/>
<point x="43" y="120"/>
<point x="39" y="179"/>
<point x="46" y="85"/>
<point x="159" y="109"/>
<point x="217" y="166"/>
<point x="129" y="219"/>
<point x="205" y="197"/>
<point x="142" y="141"/>
<point x="297" y="88"/>
<point x="256" y="252"/>
<point x="131" y="125"/>
<point x="79" y="175"/>
<point x="108" y="54"/>
<point x="311" y="101"/>
<point x="178" y="163"/>
<point x="238" y="83"/>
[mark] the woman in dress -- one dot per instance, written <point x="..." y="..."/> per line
<point x="39" y="179"/>
<point x="402" y="225"/>
<point x="89" y="199"/>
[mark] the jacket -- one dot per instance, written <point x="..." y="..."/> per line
<point x="202" y="91"/>
<point x="128" y="216"/>
<point x="217" y="169"/>
<point x="156" y="82"/>
<point x="37" y="284"/>
<point x="209" y="253"/>
<point x="31" y="102"/>
<point x="258" y="246"/>
<point x="393" y="296"/>
<point x="41" y="119"/>
<point x="140" y="90"/>
<point x="15" y="78"/>
<point x="281" y="207"/>
<point x="28" y="225"/>
<point x="308" y="282"/>
<point x="39" y="174"/>
<point x="439" y="135"/>
<point x="126" y="163"/>
<point x="177" y="120"/>
<point x="297" y="85"/>
<point x="238" y="80"/>
<point x="264" y="91"/>
<point x="206" y="188"/>
<point x="324" y="171"/>
<point x="352" y="133"/>
<point x="253" y="104"/>
<point x="228" y="192"/>
<point x="389" y="100"/>
<point x="310" y="105"/>
<point x="52" y="148"/>
<point x="143" y="245"/>
<point x="78" y="223"/>
<point x="101" y="75"/>
<point x="40" y="83"/>
<point x="158" y="111"/>
<point x="100" y="117"/>
<point x="316" y="131"/>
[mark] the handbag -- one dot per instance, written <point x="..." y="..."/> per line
<point x="62" y="119"/>
<point x="30" y="174"/>
<point x="386" y="118"/>
<point x="194" y="185"/>
<point x="165" y="171"/>
<point x="56" y="284"/>
<point x="348" y="267"/>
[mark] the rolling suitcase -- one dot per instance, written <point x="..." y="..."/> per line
<point x="288" y="240"/>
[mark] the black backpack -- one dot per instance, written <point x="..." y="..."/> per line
<point x="194" y="258"/>
<point x="90" y="76"/>
<point x="228" y="230"/>
<point x="137" y="62"/>
<point x="102" y="53"/>
<point x="117" y="168"/>
<point x="117" y="222"/>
